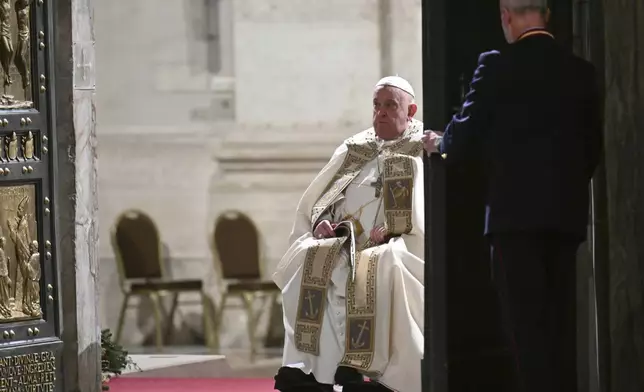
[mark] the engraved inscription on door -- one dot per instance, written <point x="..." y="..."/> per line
<point x="28" y="372"/>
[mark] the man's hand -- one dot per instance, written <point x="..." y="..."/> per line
<point x="324" y="229"/>
<point x="431" y="141"/>
<point x="378" y="235"/>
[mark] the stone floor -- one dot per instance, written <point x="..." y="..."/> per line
<point x="199" y="362"/>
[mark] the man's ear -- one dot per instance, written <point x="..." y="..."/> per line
<point x="505" y="16"/>
<point x="547" y="16"/>
<point x="411" y="110"/>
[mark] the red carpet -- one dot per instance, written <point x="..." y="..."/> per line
<point x="190" y="384"/>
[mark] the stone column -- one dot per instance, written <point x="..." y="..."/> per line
<point x="76" y="198"/>
<point x="399" y="26"/>
<point x="405" y="47"/>
<point x="624" y="133"/>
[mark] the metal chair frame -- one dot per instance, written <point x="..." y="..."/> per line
<point x="248" y="296"/>
<point x="155" y="288"/>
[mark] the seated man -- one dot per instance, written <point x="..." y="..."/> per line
<point x="353" y="278"/>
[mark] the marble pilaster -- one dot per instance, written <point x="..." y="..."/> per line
<point x="76" y="200"/>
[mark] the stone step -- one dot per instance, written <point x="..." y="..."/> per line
<point x="178" y="366"/>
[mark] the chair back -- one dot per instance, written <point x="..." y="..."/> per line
<point x="236" y="243"/>
<point x="137" y="246"/>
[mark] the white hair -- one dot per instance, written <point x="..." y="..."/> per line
<point x="521" y="6"/>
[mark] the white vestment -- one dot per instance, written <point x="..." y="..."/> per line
<point x="373" y="322"/>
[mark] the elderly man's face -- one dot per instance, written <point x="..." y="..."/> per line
<point x="392" y="110"/>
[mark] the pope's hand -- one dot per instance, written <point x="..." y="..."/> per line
<point x="324" y="229"/>
<point x="378" y="235"/>
<point x="431" y="141"/>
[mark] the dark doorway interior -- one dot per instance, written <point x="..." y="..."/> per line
<point x="477" y="356"/>
<point x="465" y="350"/>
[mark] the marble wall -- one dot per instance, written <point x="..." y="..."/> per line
<point x="209" y="105"/>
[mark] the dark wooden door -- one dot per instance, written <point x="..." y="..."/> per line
<point x="474" y="353"/>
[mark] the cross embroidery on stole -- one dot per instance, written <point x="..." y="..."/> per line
<point x="377" y="186"/>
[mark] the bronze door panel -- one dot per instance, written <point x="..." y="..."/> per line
<point x="30" y="346"/>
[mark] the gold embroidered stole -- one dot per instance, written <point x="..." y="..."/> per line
<point x="361" y="150"/>
<point x="398" y="190"/>
<point x="360" y="346"/>
<point x="318" y="264"/>
<point x="358" y="155"/>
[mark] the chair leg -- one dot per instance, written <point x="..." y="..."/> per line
<point x="158" y="319"/>
<point x="272" y="298"/>
<point x="248" y="298"/>
<point x="219" y="313"/>
<point x="119" y="328"/>
<point x="212" y="338"/>
<point x="170" y="327"/>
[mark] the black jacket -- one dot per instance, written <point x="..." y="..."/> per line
<point x="533" y="112"/>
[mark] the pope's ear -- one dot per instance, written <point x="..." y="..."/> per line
<point x="411" y="111"/>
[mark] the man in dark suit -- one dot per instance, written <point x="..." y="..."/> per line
<point x="533" y="116"/>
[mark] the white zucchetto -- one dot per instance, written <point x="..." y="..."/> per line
<point x="398" y="82"/>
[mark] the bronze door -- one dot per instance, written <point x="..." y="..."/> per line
<point x="29" y="325"/>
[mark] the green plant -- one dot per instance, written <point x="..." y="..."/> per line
<point x="114" y="359"/>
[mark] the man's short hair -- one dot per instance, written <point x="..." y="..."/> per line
<point x="524" y="6"/>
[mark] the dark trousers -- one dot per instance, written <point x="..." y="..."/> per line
<point x="535" y="277"/>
